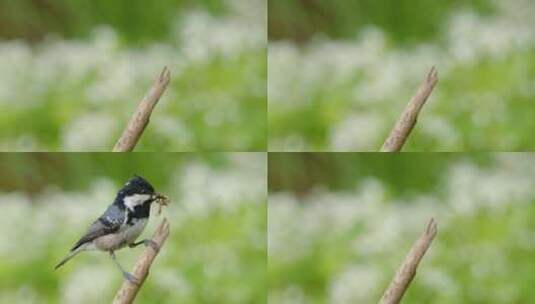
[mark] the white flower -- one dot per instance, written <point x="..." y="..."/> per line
<point x="204" y="36"/>
<point x="356" y="284"/>
<point x="204" y="189"/>
<point x="89" y="284"/>
<point x="382" y="79"/>
<point x="107" y="75"/>
<point x="357" y="132"/>
<point x="90" y="132"/>
<point x="297" y="224"/>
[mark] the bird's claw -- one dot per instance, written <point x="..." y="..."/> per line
<point x="152" y="244"/>
<point x="131" y="278"/>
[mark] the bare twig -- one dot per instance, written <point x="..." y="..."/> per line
<point x="128" y="290"/>
<point x="140" y="119"/>
<point x="407" y="271"/>
<point x="406" y="122"/>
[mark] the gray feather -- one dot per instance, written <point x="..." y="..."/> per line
<point x="109" y="222"/>
<point x="68" y="257"/>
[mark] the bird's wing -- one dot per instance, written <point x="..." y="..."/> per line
<point x="109" y="222"/>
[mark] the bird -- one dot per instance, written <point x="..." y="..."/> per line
<point x="121" y="224"/>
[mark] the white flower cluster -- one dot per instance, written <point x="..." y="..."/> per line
<point x="102" y="75"/>
<point x="377" y="76"/>
<point x="204" y="190"/>
<point x="467" y="191"/>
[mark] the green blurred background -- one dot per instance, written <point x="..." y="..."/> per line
<point x="341" y="72"/>
<point x="404" y="21"/>
<point x="72" y="73"/>
<point x="341" y="224"/>
<point x="216" y="251"/>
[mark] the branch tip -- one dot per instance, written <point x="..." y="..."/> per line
<point x="432" y="227"/>
<point x="406" y="272"/>
<point x="406" y="122"/>
<point x="165" y="75"/>
<point x="141" y="116"/>
<point x="432" y="76"/>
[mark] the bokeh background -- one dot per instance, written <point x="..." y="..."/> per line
<point x="339" y="226"/>
<point x="73" y="71"/>
<point x="216" y="251"/>
<point x="341" y="72"/>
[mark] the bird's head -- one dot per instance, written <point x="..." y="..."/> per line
<point x="136" y="192"/>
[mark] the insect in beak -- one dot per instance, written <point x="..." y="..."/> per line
<point x="161" y="200"/>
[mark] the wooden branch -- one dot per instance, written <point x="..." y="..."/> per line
<point x="407" y="271"/>
<point x="406" y="122"/>
<point x="140" y="119"/>
<point x="128" y="291"/>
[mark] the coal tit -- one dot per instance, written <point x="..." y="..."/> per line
<point x="121" y="224"/>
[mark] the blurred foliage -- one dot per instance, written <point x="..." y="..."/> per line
<point x="195" y="92"/>
<point x="84" y="65"/>
<point x="456" y="101"/>
<point x="343" y="242"/>
<point x="245" y="277"/>
<point x="405" y="21"/>
<point x="402" y="174"/>
<point x="497" y="82"/>
<point x="33" y="172"/>
<point x="137" y="21"/>
<point x="216" y="251"/>
<point x="344" y="89"/>
<point x="502" y="233"/>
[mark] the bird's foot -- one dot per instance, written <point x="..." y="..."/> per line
<point x="131" y="278"/>
<point x="152" y="244"/>
<point x="149" y="243"/>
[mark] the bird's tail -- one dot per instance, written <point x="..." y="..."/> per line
<point x="68" y="257"/>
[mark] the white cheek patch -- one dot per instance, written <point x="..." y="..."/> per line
<point x="135" y="200"/>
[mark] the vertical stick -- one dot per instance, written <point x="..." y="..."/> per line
<point x="406" y="122"/>
<point x="407" y="271"/>
<point x="128" y="291"/>
<point x="140" y="119"/>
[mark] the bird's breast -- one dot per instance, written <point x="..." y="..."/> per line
<point x="132" y="232"/>
<point x="109" y="242"/>
<point x="126" y="235"/>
